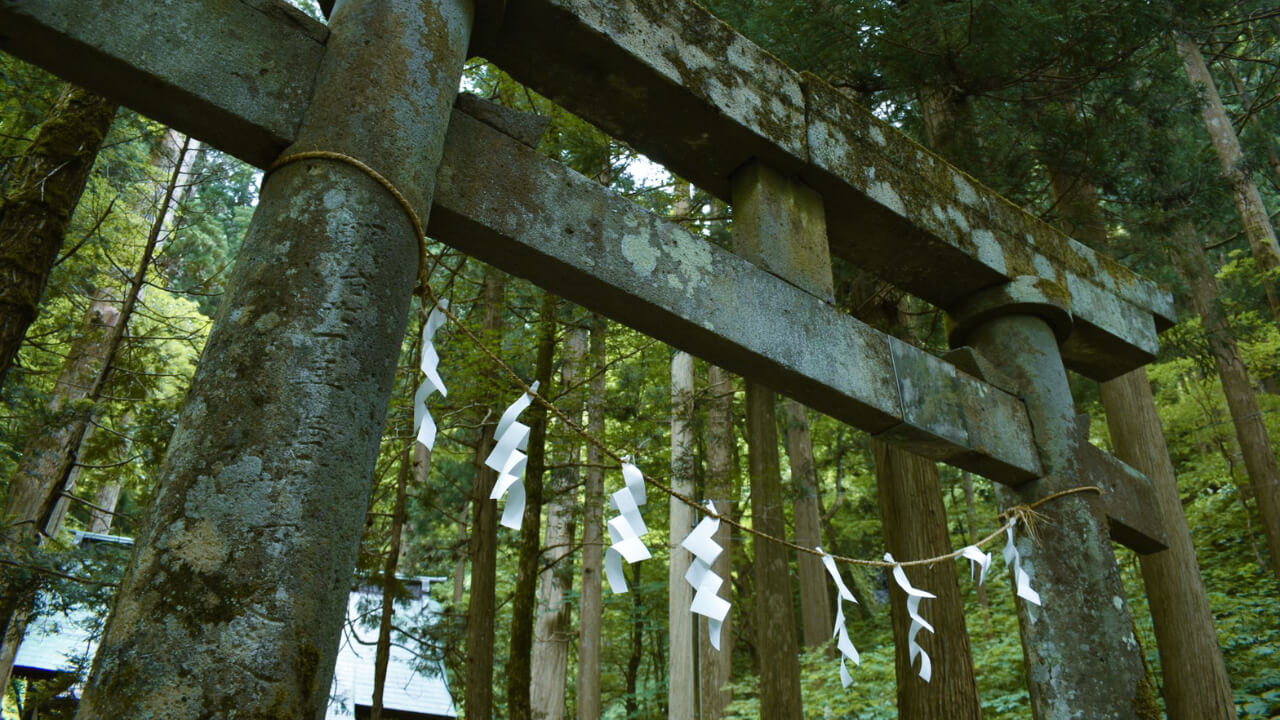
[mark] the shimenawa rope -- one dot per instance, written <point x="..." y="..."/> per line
<point x="1019" y="513"/>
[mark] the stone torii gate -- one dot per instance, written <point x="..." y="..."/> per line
<point x="233" y="600"/>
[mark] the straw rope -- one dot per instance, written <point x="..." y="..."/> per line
<point x="1026" y="514"/>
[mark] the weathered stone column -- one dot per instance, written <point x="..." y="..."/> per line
<point x="233" y="601"/>
<point x="1082" y="659"/>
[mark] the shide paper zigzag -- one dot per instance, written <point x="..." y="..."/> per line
<point x="978" y="560"/>
<point x="509" y="460"/>
<point x="847" y="650"/>
<point x="1021" y="579"/>
<point x="705" y="582"/>
<point x="423" y="424"/>
<point x="914" y="596"/>
<point x="626" y="529"/>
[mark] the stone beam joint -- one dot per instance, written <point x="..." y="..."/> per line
<point x="1024" y="295"/>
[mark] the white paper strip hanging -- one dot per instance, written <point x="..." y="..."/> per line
<point x="1021" y="579"/>
<point x="847" y="650"/>
<point x="423" y="424"/>
<point x="914" y="596"/>
<point x="626" y="529"/>
<point x="978" y="560"/>
<point x="701" y="542"/>
<point x="509" y="459"/>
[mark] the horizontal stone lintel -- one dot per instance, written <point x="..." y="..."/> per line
<point x="684" y="88"/>
<point x="236" y="74"/>
<point x="504" y="203"/>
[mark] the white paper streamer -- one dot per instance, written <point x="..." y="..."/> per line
<point x="978" y="560"/>
<point x="914" y="596"/>
<point x="705" y="582"/>
<point x="509" y="459"/>
<point x="1021" y="579"/>
<point x="423" y="424"/>
<point x="626" y="529"/>
<point x="847" y="650"/>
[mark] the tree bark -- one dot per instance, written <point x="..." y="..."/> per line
<point x="971" y="516"/>
<point x="382" y="653"/>
<point x="1253" y="214"/>
<point x="482" y="604"/>
<point x="107" y="498"/>
<point x="715" y="667"/>
<point x="1247" y="100"/>
<point x="1196" y="685"/>
<point x="519" y="668"/>
<point x="551" y="633"/>
<point x="589" y="650"/>
<point x="43" y="473"/>
<point x="632" y="674"/>
<point x="914" y="519"/>
<point x="1259" y="457"/>
<point x="682" y="700"/>
<point x="37" y="208"/>
<point x="815" y="603"/>
<point x="48" y="467"/>
<point x="776" y="644"/>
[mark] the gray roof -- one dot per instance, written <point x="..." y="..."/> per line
<point x="405" y="689"/>
<point x="54" y="642"/>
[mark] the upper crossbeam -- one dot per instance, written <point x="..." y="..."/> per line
<point x="689" y="91"/>
<point x="237" y="74"/>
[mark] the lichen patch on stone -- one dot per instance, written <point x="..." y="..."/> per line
<point x="637" y="250"/>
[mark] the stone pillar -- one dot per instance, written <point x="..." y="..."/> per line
<point x="780" y="226"/>
<point x="236" y="593"/>
<point x="1082" y="659"/>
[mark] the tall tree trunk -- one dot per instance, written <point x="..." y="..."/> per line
<point x="382" y="654"/>
<point x="175" y="155"/>
<point x="589" y="650"/>
<point x="519" y="670"/>
<point x="776" y="644"/>
<point x="1195" y="685"/>
<point x="682" y="684"/>
<point x="1247" y="100"/>
<point x="38" y="205"/>
<point x="478" y="701"/>
<point x="971" y="517"/>
<point x="1253" y="214"/>
<point x="632" y="674"/>
<point x="1195" y="678"/>
<point x="682" y="699"/>
<point x="914" y="519"/>
<point x="551" y="631"/>
<point x="715" y="667"/>
<point x="48" y="461"/>
<point x="815" y="604"/>
<point x="63" y="504"/>
<point x="1259" y="457"/>
<point x="105" y="502"/>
